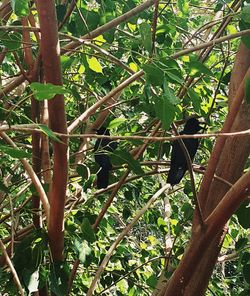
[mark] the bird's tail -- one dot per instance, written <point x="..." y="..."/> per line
<point x="175" y="175"/>
<point x="102" y="178"/>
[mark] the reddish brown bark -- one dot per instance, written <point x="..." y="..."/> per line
<point x="52" y="73"/>
<point x="236" y="150"/>
<point x="195" y="269"/>
<point x="5" y="11"/>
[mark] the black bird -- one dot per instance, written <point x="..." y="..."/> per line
<point x="102" y="149"/>
<point x="178" y="163"/>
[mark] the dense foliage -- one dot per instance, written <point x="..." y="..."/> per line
<point x="180" y="80"/>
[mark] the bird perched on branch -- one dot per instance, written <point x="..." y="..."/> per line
<point x="102" y="149"/>
<point x="178" y="163"/>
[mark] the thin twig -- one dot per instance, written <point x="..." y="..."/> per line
<point x="35" y="128"/>
<point x="154" y="25"/>
<point x="33" y="177"/>
<point x="12" y="268"/>
<point x="121" y="236"/>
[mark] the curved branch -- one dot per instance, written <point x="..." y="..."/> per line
<point x="85" y="115"/>
<point x="213" y="161"/>
<point x="229" y="204"/>
<point x="112" y="24"/>
<point x="121" y="236"/>
<point x="33" y="177"/>
<point x="13" y="271"/>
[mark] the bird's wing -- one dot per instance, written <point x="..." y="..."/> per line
<point x="192" y="146"/>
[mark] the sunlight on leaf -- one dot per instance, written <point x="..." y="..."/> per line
<point x="116" y="122"/>
<point x="95" y="65"/>
<point x="133" y="67"/>
<point x="20" y="7"/>
<point x="145" y="30"/>
<point x="99" y="40"/>
<point x="132" y="27"/>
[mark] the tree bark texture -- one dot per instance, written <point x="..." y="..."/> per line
<point x="50" y="51"/>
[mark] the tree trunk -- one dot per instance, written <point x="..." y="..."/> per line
<point x="50" y="51"/>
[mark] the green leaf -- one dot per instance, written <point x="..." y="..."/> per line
<point x="61" y="12"/>
<point x="154" y="75"/>
<point x="246" y="273"/>
<point x="174" y="77"/>
<point x="83" y="249"/>
<point x="49" y="133"/>
<point x="245" y="14"/>
<point x="66" y="62"/>
<point x="12" y="40"/>
<point x="109" y="35"/>
<point x="31" y="279"/>
<point x="91" y="21"/>
<point x="145" y="30"/>
<point x="3" y="188"/>
<point x="195" y="99"/>
<point x="83" y="171"/>
<point x="20" y="7"/>
<point x="197" y="68"/>
<point x="59" y="276"/>
<point x="218" y="7"/>
<point x="152" y="281"/>
<point x="245" y="39"/>
<point x="46" y="91"/>
<point x="247" y="89"/>
<point x="14" y="152"/>
<point x="30" y="251"/>
<point x="165" y="111"/>
<point x="120" y="157"/>
<point x="87" y="231"/>
<point x="243" y="214"/>
<point x="183" y="5"/>
<point x="187" y="210"/>
<point x="161" y="222"/>
<point x="126" y="213"/>
<point x="170" y="95"/>
<point x="241" y="243"/>
<point x="245" y="258"/>
<point x="43" y="276"/>
<point x="95" y="65"/>
<point x="116" y="122"/>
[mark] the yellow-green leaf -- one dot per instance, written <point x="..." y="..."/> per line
<point x="132" y="27"/>
<point x="95" y="65"/>
<point x="133" y="67"/>
<point x="99" y="40"/>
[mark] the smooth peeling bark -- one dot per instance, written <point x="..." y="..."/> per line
<point x="57" y="120"/>
<point x="232" y="161"/>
